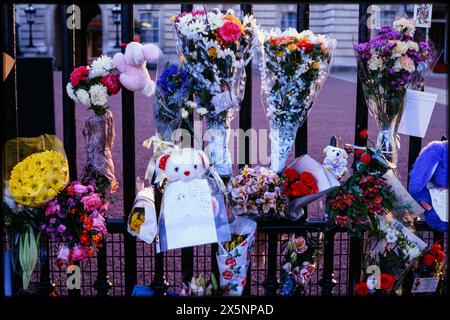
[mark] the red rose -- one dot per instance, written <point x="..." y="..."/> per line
<point x="366" y="158"/>
<point x="305" y="45"/>
<point x="79" y="74"/>
<point x="291" y="174"/>
<point x="440" y="256"/>
<point x="112" y="83"/>
<point x="231" y="262"/>
<point x="364" y="134"/>
<point x="307" y="178"/>
<point x="358" y="152"/>
<point x="227" y="274"/>
<point x="387" y="281"/>
<point x="361" y="289"/>
<point x="436" y="248"/>
<point x="428" y="259"/>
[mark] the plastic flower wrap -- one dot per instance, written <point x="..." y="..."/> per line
<point x="393" y="248"/>
<point x="76" y="221"/>
<point x="92" y="86"/>
<point x="35" y="171"/>
<point x="258" y="192"/>
<point x="300" y="257"/>
<point x="293" y="68"/>
<point x="391" y="62"/>
<point x="215" y="48"/>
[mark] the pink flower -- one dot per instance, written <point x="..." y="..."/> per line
<point x="299" y="244"/>
<point x="52" y="208"/>
<point x="91" y="202"/>
<point x="78" y="253"/>
<point x="96" y="221"/>
<point x="63" y="253"/>
<point x="104" y="207"/>
<point x="230" y="32"/>
<point x="79" y="189"/>
<point x="79" y="74"/>
<point x="112" y="83"/>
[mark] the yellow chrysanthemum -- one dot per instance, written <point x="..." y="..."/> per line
<point x="315" y="65"/>
<point x="280" y="53"/>
<point x="212" y="52"/>
<point x="39" y="178"/>
<point x="292" y="47"/>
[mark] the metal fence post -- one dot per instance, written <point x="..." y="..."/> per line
<point x="128" y="159"/>
<point x="271" y="284"/>
<point x="327" y="283"/>
<point x="360" y="124"/>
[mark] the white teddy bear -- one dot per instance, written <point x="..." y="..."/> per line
<point x="335" y="161"/>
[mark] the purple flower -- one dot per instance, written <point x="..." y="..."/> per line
<point x="363" y="50"/>
<point x="71" y="202"/>
<point x="62" y="228"/>
<point x="52" y="221"/>
<point x="52" y="208"/>
<point x="43" y="227"/>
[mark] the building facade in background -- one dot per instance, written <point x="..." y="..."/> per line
<point x="153" y="25"/>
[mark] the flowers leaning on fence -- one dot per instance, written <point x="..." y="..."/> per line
<point x="92" y="86"/>
<point x="76" y="221"/>
<point x="390" y="63"/>
<point x="215" y="48"/>
<point x="257" y="191"/>
<point x="299" y="262"/>
<point x="293" y="68"/>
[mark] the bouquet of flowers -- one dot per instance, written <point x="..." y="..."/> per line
<point x="200" y="287"/>
<point x="92" y="86"/>
<point x="392" y="248"/>
<point x="357" y="204"/>
<point x="257" y="191"/>
<point x="215" y="48"/>
<point x="76" y="220"/>
<point x="293" y="68"/>
<point x="390" y="63"/>
<point x="36" y="170"/>
<point x="298" y="184"/>
<point x="299" y="263"/>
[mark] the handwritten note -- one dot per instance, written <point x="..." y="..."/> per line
<point x="188" y="214"/>
<point x="439" y="199"/>
<point x="422" y="285"/>
<point x="417" y="113"/>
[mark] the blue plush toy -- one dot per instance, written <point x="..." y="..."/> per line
<point x="430" y="172"/>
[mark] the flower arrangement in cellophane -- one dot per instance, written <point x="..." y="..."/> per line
<point x="293" y="68"/>
<point x="214" y="48"/>
<point x="257" y="191"/>
<point x="297" y="184"/>
<point x="76" y="221"/>
<point x="391" y="62"/>
<point x="92" y="85"/>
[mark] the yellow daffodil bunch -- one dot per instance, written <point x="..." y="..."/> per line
<point x="39" y="178"/>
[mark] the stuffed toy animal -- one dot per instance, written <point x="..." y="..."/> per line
<point x="133" y="67"/>
<point x="335" y="161"/>
<point x="428" y="183"/>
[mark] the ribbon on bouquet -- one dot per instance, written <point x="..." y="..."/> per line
<point x="160" y="147"/>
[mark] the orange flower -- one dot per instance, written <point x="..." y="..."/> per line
<point x="281" y="40"/>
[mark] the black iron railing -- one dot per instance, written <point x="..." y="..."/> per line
<point x="125" y="261"/>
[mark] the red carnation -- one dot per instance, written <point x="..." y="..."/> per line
<point x="364" y="134"/>
<point x="387" y="281"/>
<point x="305" y="45"/>
<point x="440" y="256"/>
<point x="112" y="83"/>
<point x="361" y="289"/>
<point x="227" y="274"/>
<point x="366" y="158"/>
<point x="428" y="259"/>
<point x="79" y="74"/>
<point x="291" y="174"/>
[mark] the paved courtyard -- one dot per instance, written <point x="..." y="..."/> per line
<point x="332" y="114"/>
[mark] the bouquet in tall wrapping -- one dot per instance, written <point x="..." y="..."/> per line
<point x="391" y="62"/>
<point x="215" y="48"/>
<point x="293" y="67"/>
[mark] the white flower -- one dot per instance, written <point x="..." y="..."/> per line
<point x="372" y="283"/>
<point x="375" y="63"/>
<point x="391" y="236"/>
<point x="412" y="45"/>
<point x="184" y="20"/>
<point x="215" y="20"/>
<point x="101" y="67"/>
<point x="290" y="32"/>
<point x="191" y="104"/>
<point x="405" y="26"/>
<point x="196" y="29"/>
<point x="399" y="49"/>
<point x="184" y="113"/>
<point x="202" y="111"/>
<point x="71" y="92"/>
<point x="83" y="97"/>
<point x="99" y="95"/>
<point x="249" y="20"/>
<point x="413" y="252"/>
